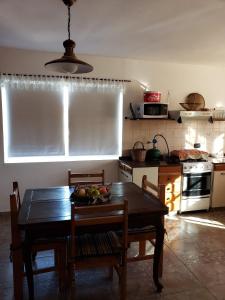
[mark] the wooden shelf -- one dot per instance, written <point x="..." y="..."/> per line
<point x="152" y="119"/>
<point x="218" y="119"/>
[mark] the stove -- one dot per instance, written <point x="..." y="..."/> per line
<point x="196" y="185"/>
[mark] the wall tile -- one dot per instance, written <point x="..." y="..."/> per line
<point x="178" y="136"/>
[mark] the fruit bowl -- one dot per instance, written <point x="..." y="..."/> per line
<point x="90" y="195"/>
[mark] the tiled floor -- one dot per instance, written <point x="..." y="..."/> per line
<point x="194" y="266"/>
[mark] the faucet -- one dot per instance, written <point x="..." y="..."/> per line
<point x="155" y="141"/>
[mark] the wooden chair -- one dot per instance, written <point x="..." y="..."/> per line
<point x="142" y="235"/>
<point x="17" y="193"/>
<point x="17" y="253"/>
<point x="100" y="248"/>
<point x="87" y="178"/>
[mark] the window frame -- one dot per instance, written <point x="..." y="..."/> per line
<point x="59" y="158"/>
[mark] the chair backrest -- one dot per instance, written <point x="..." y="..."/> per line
<point x="102" y="214"/>
<point x="17" y="193"/>
<point x="14" y="211"/>
<point x="158" y="191"/>
<point x="86" y="178"/>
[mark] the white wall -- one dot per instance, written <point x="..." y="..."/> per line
<point x="178" y="79"/>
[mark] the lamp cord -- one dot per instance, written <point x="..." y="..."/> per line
<point x="68" y="27"/>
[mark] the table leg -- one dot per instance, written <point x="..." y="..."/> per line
<point x="27" y="257"/>
<point x="157" y="255"/>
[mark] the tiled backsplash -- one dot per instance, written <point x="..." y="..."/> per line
<point x="179" y="136"/>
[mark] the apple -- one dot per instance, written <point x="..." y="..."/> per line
<point x="82" y="192"/>
<point x="103" y="190"/>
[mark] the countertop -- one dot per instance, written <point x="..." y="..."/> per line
<point x="218" y="160"/>
<point x="135" y="164"/>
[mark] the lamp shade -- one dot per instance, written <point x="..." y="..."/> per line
<point x="68" y="63"/>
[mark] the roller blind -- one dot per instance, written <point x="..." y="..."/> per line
<point x="94" y="119"/>
<point x="51" y="120"/>
<point x="35" y="122"/>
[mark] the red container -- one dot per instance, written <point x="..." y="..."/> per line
<point x="152" y="96"/>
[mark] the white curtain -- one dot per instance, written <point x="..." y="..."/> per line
<point x="35" y="122"/>
<point x="94" y="121"/>
<point x="60" y="117"/>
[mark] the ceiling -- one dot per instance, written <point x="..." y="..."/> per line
<point x="183" y="31"/>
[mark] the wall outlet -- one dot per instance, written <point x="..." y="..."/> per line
<point x="197" y="145"/>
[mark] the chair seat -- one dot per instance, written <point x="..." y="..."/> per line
<point x="49" y="240"/>
<point x="139" y="230"/>
<point x="99" y="244"/>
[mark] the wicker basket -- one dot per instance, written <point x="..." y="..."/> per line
<point x="138" y="154"/>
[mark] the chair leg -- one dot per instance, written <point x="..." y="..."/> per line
<point x="161" y="265"/>
<point x="18" y="274"/>
<point x="142" y="248"/>
<point x="71" y="286"/>
<point x="34" y="254"/>
<point x="29" y="270"/>
<point x="110" y="272"/>
<point x="70" y="274"/>
<point x="56" y="258"/>
<point x="123" y="283"/>
<point x="60" y="255"/>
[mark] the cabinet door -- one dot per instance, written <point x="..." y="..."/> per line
<point x="151" y="172"/>
<point x="218" y="199"/>
<point x="171" y="177"/>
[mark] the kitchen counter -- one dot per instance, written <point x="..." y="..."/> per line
<point x="135" y="164"/>
<point x="218" y="160"/>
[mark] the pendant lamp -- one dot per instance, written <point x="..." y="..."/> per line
<point x="69" y="63"/>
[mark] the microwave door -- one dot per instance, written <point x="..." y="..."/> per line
<point x="152" y="110"/>
<point x="155" y="110"/>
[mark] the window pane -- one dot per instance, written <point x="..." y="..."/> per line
<point x="94" y="121"/>
<point x="35" y="121"/>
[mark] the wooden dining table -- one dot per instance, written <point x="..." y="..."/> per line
<point x="46" y="212"/>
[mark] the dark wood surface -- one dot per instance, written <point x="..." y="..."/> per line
<point x="52" y="205"/>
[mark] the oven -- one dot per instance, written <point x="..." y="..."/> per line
<point x="196" y="186"/>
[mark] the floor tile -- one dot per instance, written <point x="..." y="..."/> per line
<point x="194" y="266"/>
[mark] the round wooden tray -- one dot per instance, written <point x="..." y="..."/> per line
<point x="194" y="101"/>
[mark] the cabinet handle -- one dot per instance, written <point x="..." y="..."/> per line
<point x="222" y="173"/>
<point x="124" y="174"/>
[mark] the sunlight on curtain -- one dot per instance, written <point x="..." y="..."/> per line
<point x="94" y="121"/>
<point x="59" y="119"/>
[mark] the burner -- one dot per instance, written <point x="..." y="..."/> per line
<point x="176" y="159"/>
<point x="194" y="160"/>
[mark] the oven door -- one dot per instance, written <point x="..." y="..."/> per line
<point x="196" y="184"/>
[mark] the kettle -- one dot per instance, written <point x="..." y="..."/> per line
<point x="154" y="153"/>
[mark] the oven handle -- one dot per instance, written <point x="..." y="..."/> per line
<point x="195" y="197"/>
<point x="200" y="173"/>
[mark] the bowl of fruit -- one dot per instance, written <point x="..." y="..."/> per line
<point x="87" y="195"/>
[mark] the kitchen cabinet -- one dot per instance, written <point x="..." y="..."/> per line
<point x="125" y="172"/>
<point x="218" y="184"/>
<point x="151" y="172"/>
<point x="170" y="176"/>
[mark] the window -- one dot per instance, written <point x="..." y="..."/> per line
<point x="59" y="120"/>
